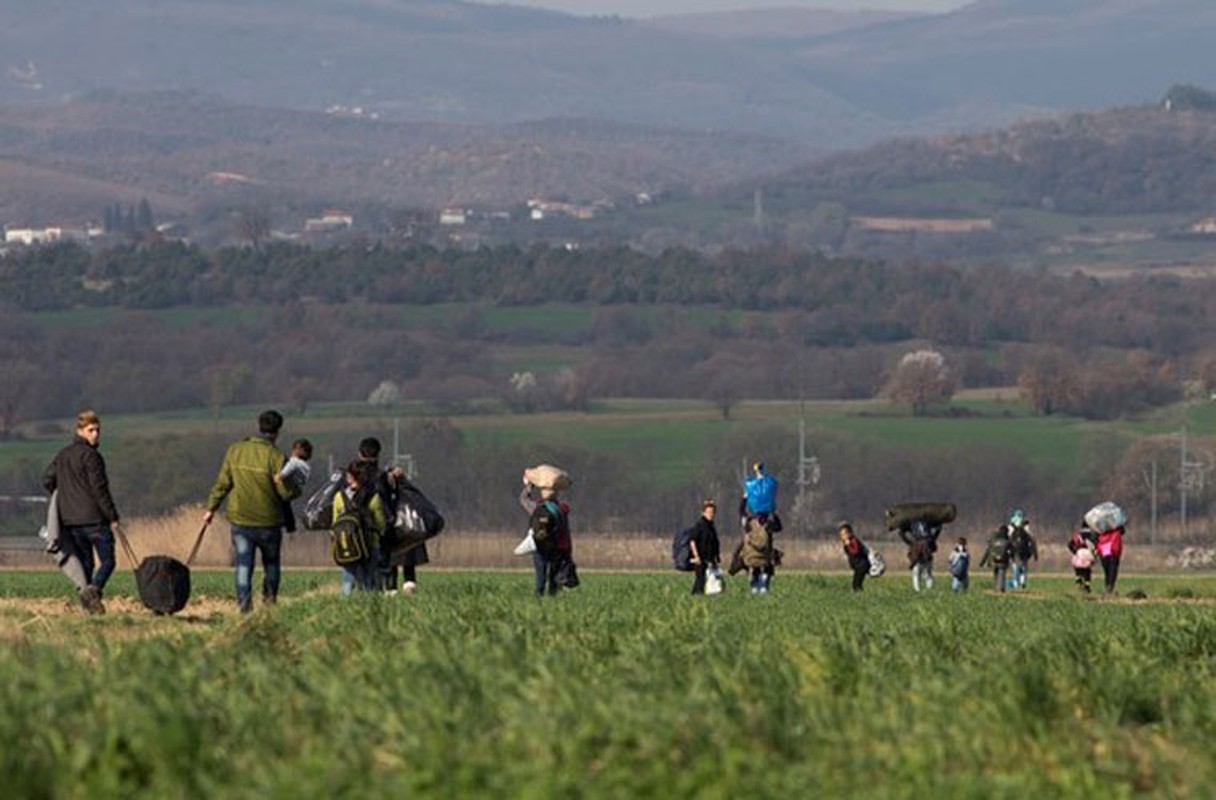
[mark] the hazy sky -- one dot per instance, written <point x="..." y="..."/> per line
<point x="654" y="8"/>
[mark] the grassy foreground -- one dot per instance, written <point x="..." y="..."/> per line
<point x="626" y="687"/>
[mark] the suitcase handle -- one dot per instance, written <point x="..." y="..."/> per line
<point x="198" y="542"/>
<point x="126" y="545"/>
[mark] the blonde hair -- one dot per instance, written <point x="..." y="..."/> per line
<point x="86" y="418"/>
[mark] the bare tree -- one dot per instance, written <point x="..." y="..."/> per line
<point x="253" y="225"/>
<point x="1050" y="381"/>
<point x="921" y="379"/>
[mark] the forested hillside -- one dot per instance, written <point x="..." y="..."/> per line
<point x="798" y="325"/>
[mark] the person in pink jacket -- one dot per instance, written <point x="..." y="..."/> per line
<point x="1110" y="550"/>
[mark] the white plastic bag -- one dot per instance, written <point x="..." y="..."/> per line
<point x="1105" y="517"/>
<point x="526" y="546"/>
<point x="714" y="582"/>
<point x="878" y="564"/>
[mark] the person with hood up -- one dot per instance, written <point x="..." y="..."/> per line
<point x="1023" y="545"/>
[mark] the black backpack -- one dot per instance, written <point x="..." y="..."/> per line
<point x="349" y="539"/>
<point x="546" y="524"/>
<point x="1021" y="543"/>
<point x="681" y="550"/>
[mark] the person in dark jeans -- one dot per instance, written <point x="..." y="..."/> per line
<point x="549" y="521"/>
<point x="251" y="480"/>
<point x="87" y="514"/>
<point x="389" y="482"/>
<point x="705" y="547"/>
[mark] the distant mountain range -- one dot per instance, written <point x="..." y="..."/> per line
<point x="828" y="81"/>
<point x="394" y="109"/>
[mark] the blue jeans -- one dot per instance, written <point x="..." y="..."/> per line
<point x="1019" y="574"/>
<point x="958" y="584"/>
<point x="364" y="576"/>
<point x="545" y="566"/>
<point x="247" y="542"/>
<point x="84" y="539"/>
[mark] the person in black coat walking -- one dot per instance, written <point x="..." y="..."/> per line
<point x="704" y="545"/>
<point x="87" y="515"/>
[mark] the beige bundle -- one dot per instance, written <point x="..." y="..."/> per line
<point x="547" y="476"/>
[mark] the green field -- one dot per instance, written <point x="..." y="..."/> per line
<point x="672" y="437"/>
<point x="626" y="687"/>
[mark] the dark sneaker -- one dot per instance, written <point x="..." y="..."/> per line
<point x="90" y="598"/>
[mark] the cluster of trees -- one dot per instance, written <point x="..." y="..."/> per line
<point x="134" y="221"/>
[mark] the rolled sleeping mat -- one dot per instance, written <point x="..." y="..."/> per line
<point x="902" y="514"/>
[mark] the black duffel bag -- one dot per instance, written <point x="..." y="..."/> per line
<point x="163" y="582"/>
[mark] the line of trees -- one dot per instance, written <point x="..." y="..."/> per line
<point x="831" y="302"/>
<point x="681" y="324"/>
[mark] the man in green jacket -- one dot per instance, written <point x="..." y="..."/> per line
<point x="250" y="479"/>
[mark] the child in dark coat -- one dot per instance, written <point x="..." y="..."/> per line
<point x="998" y="554"/>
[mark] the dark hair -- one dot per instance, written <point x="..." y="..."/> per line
<point x="365" y="474"/>
<point x="304" y="446"/>
<point x="962" y="540"/>
<point x="270" y="422"/>
<point x="369" y="448"/>
<point x="845" y="526"/>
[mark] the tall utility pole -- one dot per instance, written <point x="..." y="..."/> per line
<point x="808" y="473"/>
<point x="1150" y="480"/>
<point x="405" y="459"/>
<point x="1182" y="483"/>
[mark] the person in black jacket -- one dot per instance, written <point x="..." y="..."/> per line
<point x="87" y="515"/>
<point x="704" y="545"/>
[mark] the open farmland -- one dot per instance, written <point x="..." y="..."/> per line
<point x="626" y="687"/>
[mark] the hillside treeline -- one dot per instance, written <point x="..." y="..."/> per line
<point x="1138" y="160"/>
<point x="295" y="325"/>
<point x="836" y="302"/>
